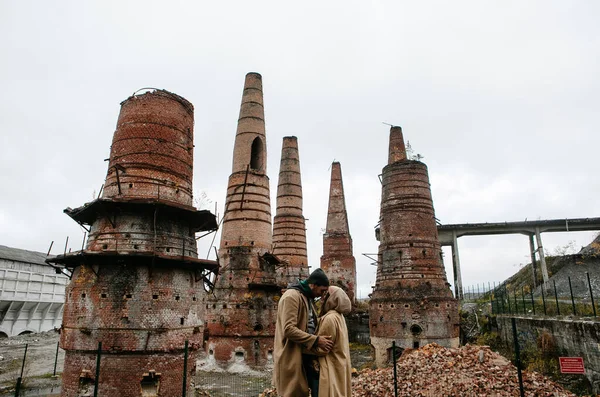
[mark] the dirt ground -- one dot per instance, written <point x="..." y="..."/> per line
<point x="39" y="364"/>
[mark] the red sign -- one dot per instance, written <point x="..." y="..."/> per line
<point x="571" y="365"/>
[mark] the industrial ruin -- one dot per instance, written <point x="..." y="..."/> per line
<point x="411" y="303"/>
<point x="136" y="296"/>
<point x="338" y="261"/>
<point x="242" y="309"/>
<point x="289" y="225"/>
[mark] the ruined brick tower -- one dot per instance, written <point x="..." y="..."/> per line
<point x="289" y="229"/>
<point x="411" y="302"/>
<point x="137" y="285"/>
<point x="338" y="261"/>
<point x="242" y="310"/>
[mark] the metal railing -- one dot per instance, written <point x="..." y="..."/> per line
<point x="545" y="300"/>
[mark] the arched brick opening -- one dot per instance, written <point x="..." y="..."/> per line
<point x="257" y="155"/>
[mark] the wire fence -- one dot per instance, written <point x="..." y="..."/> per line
<point x="21" y="377"/>
<point x="227" y="384"/>
<point x="573" y="296"/>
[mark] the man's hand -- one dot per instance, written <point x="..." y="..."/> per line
<point x="325" y="343"/>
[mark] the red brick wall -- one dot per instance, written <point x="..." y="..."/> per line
<point x="154" y="143"/>
<point x="121" y="374"/>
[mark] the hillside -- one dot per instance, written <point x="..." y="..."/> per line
<point x="560" y="268"/>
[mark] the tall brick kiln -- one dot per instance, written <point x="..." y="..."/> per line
<point x="137" y="286"/>
<point x="289" y="226"/>
<point x="411" y="302"/>
<point x="338" y="261"/>
<point x="243" y="308"/>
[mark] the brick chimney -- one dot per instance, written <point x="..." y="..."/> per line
<point x="243" y="307"/>
<point x="338" y="261"/>
<point x="137" y="286"/>
<point x="411" y="302"/>
<point x="289" y="229"/>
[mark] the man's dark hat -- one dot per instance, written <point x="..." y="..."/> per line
<point x="318" y="277"/>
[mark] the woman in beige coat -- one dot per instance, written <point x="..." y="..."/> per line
<point x="335" y="367"/>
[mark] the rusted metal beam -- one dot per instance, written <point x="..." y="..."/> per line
<point x="244" y="188"/>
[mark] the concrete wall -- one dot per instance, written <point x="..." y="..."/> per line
<point x="31" y="297"/>
<point x="578" y="338"/>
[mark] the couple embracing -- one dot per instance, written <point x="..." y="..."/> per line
<point x="312" y="350"/>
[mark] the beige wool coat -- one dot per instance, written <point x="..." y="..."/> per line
<point x="290" y="338"/>
<point x="335" y="378"/>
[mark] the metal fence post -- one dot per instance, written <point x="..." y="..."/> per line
<point x="591" y="293"/>
<point x="532" y="301"/>
<point x="395" y="373"/>
<point x="56" y="358"/>
<point x="185" y="358"/>
<point x="516" y="304"/>
<point x="543" y="298"/>
<point x="491" y="301"/>
<point x="517" y="356"/>
<point x="508" y="300"/>
<point x="98" y="355"/>
<point x="523" y="299"/>
<point x="572" y="300"/>
<point x="20" y="378"/>
<point x="556" y="298"/>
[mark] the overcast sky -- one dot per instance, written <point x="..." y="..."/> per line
<point x="501" y="98"/>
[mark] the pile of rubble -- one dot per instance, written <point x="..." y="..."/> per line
<point x="467" y="371"/>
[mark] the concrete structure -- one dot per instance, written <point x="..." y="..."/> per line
<point x="137" y="286"/>
<point x="338" y="260"/>
<point x="449" y="235"/>
<point x="411" y="302"/>
<point x="32" y="294"/>
<point x="571" y="337"/>
<point x="289" y="225"/>
<point x="243" y="307"/>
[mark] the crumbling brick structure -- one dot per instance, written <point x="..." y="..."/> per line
<point x="243" y="307"/>
<point x="289" y="225"/>
<point x="137" y="286"/>
<point x="411" y="302"/>
<point x="338" y="261"/>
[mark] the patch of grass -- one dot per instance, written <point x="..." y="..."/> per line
<point x="49" y="375"/>
<point x="359" y="346"/>
<point x="491" y="339"/>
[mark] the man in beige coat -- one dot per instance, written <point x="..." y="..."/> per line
<point x="294" y="330"/>
<point x="335" y="379"/>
